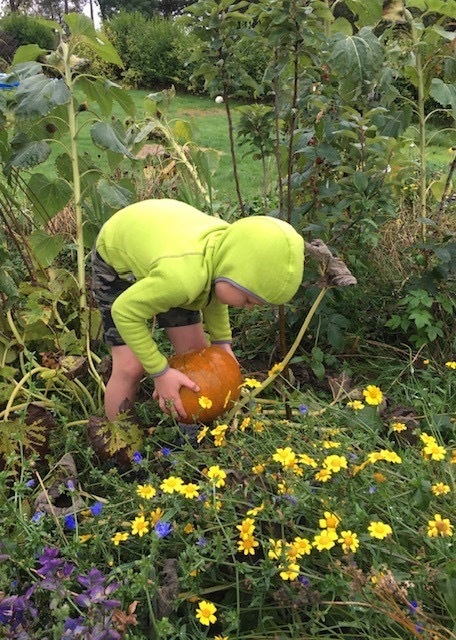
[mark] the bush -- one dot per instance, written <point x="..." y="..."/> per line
<point x="27" y="30"/>
<point x="8" y="46"/>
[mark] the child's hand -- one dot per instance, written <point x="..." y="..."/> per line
<point x="167" y="388"/>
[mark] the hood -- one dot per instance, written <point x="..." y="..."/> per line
<point x="263" y="255"/>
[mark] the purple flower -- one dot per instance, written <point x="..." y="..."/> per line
<point x="162" y="529"/>
<point x="137" y="457"/>
<point x="413" y="606"/>
<point x="30" y="483"/>
<point x="96" y="508"/>
<point x="201" y="542"/>
<point x="166" y="451"/>
<point x="372" y="490"/>
<point x="37" y="516"/>
<point x="70" y="522"/>
<point x="304" y="580"/>
<point x="70" y="485"/>
<point x="49" y="561"/>
<point x="303" y="409"/>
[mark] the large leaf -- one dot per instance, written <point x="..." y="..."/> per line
<point x="48" y="197"/>
<point x="105" y="136"/>
<point x="368" y="12"/>
<point x="82" y="28"/>
<point x="114" y="195"/>
<point x="38" y="95"/>
<point x="28" y="52"/>
<point x="29" y="156"/>
<point x="95" y="91"/>
<point x="45" y="247"/>
<point x="444" y="94"/>
<point x="356" y="58"/>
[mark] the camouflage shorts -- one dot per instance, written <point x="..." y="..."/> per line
<point x="107" y="285"/>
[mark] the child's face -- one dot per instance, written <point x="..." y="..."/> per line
<point x="226" y="293"/>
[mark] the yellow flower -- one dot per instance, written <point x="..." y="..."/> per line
<point x="189" y="490"/>
<point x="379" y="530"/>
<point x="453" y="457"/>
<point x="189" y="528"/>
<point x="349" y="541"/>
<point x="173" y="484"/>
<point x="398" y="426"/>
<point x="245" y="423"/>
<point x="275" y="551"/>
<point x="427" y="439"/>
<point x="277" y="368"/>
<point x="439" y="527"/>
<point x="246" y="528"/>
<point x="451" y="364"/>
<point x="257" y="469"/>
<point x="204" y="403"/>
<point x="251" y="382"/>
<point x="146" y="491"/>
<point x="379" y="477"/>
<point x="139" y="526"/>
<point x="305" y="459"/>
<point x="439" y="489"/>
<point x="247" y="545"/>
<point x="156" y="515"/>
<point x="286" y="456"/>
<point x="255" y="511"/>
<point x="85" y="538"/>
<point x="217" y="475"/>
<point x="298" y="548"/>
<point x="330" y="444"/>
<point x="323" y="475"/>
<point x="434" y="451"/>
<point x="221" y="638"/>
<point x="372" y="395"/>
<point x="202" y="434"/>
<point x="326" y="539"/>
<point x="119" y="537"/>
<point x="258" y="426"/>
<point x="390" y="456"/>
<point x="291" y="572"/>
<point x="356" y="405"/>
<point x="206" y="613"/>
<point x="330" y="521"/>
<point x="335" y="463"/>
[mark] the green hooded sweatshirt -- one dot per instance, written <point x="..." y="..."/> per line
<point x="176" y="253"/>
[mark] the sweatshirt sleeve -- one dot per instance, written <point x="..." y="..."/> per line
<point x="217" y="321"/>
<point x="131" y="312"/>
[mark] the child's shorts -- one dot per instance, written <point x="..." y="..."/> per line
<point x="107" y="286"/>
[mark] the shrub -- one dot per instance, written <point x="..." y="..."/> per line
<point x="27" y="30"/>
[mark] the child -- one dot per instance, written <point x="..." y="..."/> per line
<point x="164" y="259"/>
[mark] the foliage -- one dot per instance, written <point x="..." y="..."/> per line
<point x="148" y="48"/>
<point x="27" y="30"/>
<point x="337" y="520"/>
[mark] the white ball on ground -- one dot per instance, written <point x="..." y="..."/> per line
<point x="219" y="99"/>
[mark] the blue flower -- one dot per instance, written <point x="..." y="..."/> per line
<point x="162" y="528"/>
<point x="137" y="457"/>
<point x="70" y="485"/>
<point x="201" y="542"/>
<point x="30" y="483"/>
<point x="413" y="606"/>
<point x="70" y="522"/>
<point x="303" y="409"/>
<point x="304" y="580"/>
<point x="96" y="508"/>
<point x="37" y="516"/>
<point x="166" y="451"/>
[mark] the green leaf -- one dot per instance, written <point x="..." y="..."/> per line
<point x="48" y="197"/>
<point x="28" y="52"/>
<point x="114" y="195"/>
<point x="45" y="247"/>
<point x="38" y="95"/>
<point x="360" y="181"/>
<point x="95" y="91"/>
<point x="368" y="12"/>
<point x="29" y="156"/>
<point x="444" y="94"/>
<point x="182" y="130"/>
<point x="122" y="97"/>
<point x="80" y="25"/>
<point x="104" y="136"/>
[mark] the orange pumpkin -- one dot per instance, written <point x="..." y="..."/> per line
<point x="219" y="378"/>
